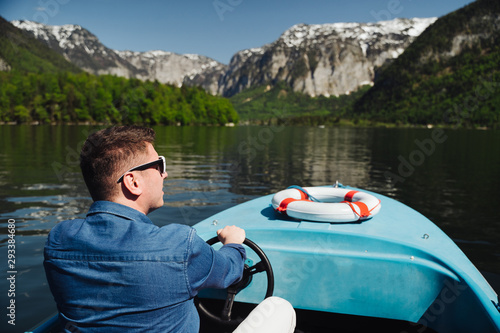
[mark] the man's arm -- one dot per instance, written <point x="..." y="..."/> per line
<point x="208" y="268"/>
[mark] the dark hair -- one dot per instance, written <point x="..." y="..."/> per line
<point x="107" y="153"/>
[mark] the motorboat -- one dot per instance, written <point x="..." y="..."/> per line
<point x="348" y="260"/>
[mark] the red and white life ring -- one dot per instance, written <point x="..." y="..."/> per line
<point x="335" y="204"/>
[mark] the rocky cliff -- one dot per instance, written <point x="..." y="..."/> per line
<point x="177" y="69"/>
<point x="327" y="59"/>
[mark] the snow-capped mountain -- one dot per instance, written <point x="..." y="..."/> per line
<point x="319" y="59"/>
<point x="323" y="59"/>
<point x="80" y="47"/>
<point x="84" y="49"/>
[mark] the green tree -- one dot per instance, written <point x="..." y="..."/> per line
<point x="21" y="114"/>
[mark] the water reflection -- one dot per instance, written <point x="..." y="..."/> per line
<point x="213" y="168"/>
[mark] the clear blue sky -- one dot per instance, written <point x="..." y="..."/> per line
<point x="214" y="28"/>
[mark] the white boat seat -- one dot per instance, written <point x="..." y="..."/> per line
<point x="272" y="315"/>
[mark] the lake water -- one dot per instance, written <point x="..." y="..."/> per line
<point x="450" y="176"/>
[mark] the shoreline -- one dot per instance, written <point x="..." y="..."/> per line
<point x="342" y="123"/>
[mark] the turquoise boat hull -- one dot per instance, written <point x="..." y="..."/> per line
<point x="397" y="265"/>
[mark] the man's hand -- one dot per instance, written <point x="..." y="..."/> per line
<point x="231" y="234"/>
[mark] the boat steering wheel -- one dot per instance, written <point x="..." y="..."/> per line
<point x="232" y="290"/>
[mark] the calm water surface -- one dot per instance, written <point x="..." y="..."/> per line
<point x="450" y="176"/>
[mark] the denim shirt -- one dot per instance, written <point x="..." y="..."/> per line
<point x="115" y="271"/>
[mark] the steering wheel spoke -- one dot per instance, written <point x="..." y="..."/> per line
<point x="257" y="268"/>
<point x="228" y="306"/>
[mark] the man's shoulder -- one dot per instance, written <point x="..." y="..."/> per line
<point x="63" y="233"/>
<point x="179" y="234"/>
<point x="67" y="225"/>
<point x="177" y="228"/>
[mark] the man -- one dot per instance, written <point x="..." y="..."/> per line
<point x="115" y="271"/>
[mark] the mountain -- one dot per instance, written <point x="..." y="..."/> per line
<point x="449" y="75"/>
<point x="323" y="59"/>
<point x="84" y="49"/>
<point x="78" y="46"/>
<point x="177" y="69"/>
<point x="26" y="54"/>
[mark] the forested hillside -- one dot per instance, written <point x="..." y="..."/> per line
<point x="449" y="75"/>
<point x="281" y="105"/>
<point x="39" y="85"/>
<point x="26" y="54"/>
<point x="69" y="97"/>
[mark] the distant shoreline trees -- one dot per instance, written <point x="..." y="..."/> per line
<point x="80" y="97"/>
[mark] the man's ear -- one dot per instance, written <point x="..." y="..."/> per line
<point x="132" y="183"/>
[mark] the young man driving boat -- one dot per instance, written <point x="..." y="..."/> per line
<point x="115" y="271"/>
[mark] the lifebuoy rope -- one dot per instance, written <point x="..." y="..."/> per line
<point x="305" y="192"/>
<point x="363" y="208"/>
<point x="304" y="195"/>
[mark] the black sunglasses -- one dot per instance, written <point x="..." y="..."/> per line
<point x="159" y="163"/>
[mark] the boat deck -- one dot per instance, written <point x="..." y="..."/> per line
<point x="397" y="265"/>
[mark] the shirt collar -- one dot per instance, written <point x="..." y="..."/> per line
<point x="119" y="210"/>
